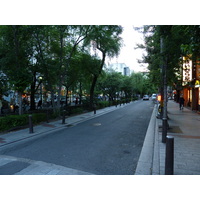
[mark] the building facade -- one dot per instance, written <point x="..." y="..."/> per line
<point x="191" y="83"/>
<point x="120" y="67"/>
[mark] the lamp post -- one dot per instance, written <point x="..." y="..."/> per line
<point x="164" y="111"/>
<point x="40" y="78"/>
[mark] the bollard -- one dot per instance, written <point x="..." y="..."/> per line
<point x="169" y="159"/>
<point x="94" y="108"/>
<point x="30" y="124"/>
<point x="63" y="117"/>
<point x="164" y="130"/>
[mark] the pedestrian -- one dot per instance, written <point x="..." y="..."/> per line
<point x="39" y="104"/>
<point x="76" y="102"/>
<point x="181" y="102"/>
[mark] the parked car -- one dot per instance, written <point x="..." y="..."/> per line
<point x="154" y="97"/>
<point x="146" y="97"/>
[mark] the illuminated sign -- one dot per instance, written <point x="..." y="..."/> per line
<point x="198" y="71"/>
<point x="159" y="97"/>
<point x="197" y="83"/>
<point x="199" y="96"/>
<point x="187" y="70"/>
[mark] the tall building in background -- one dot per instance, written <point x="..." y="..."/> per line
<point x="120" y="67"/>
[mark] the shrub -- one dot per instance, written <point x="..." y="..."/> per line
<point x="12" y="121"/>
<point x="77" y="110"/>
<point x="102" y="104"/>
<point x="39" y="117"/>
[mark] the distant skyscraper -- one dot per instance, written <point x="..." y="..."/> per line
<point x="120" y="67"/>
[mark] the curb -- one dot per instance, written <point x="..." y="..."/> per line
<point x="149" y="152"/>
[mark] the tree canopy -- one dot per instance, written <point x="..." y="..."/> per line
<point x="53" y="53"/>
<point x="178" y="41"/>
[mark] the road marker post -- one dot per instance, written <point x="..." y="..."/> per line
<point x="169" y="159"/>
<point x="30" y="124"/>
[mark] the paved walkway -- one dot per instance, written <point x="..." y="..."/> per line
<point x="184" y="126"/>
<point x="21" y="166"/>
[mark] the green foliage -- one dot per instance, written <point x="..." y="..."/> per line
<point x="77" y="110"/>
<point x="102" y="104"/>
<point x="39" y="117"/>
<point x="114" y="84"/>
<point x="111" y="84"/>
<point x="14" y="51"/>
<point x="178" y="41"/>
<point x="12" y="121"/>
<point x="59" y="54"/>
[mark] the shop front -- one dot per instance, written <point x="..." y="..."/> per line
<point x="197" y="93"/>
<point x="197" y="84"/>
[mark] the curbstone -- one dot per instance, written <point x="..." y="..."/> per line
<point x="145" y="162"/>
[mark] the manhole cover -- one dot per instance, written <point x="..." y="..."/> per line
<point x="97" y="124"/>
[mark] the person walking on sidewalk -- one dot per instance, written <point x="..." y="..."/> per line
<point x="181" y="102"/>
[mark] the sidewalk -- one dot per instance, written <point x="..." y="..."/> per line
<point x="184" y="126"/>
<point x="26" y="166"/>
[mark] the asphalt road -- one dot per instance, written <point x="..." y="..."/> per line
<point x="106" y="145"/>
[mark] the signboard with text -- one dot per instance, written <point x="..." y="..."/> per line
<point x="187" y="70"/>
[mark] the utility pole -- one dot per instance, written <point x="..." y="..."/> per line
<point x="164" y="77"/>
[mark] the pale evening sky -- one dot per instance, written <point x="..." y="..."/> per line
<point x="128" y="53"/>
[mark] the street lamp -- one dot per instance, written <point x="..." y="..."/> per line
<point x="40" y="78"/>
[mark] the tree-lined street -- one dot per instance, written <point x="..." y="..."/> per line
<point x="108" y="144"/>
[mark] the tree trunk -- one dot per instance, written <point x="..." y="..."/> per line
<point x="66" y="101"/>
<point x="59" y="94"/>
<point x="32" y="106"/>
<point x="80" y="93"/>
<point x="20" y="102"/>
<point x="95" y="79"/>
<point x="52" y="101"/>
<point x="92" y="91"/>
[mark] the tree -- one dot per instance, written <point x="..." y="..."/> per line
<point x="52" y="52"/>
<point x="106" y="39"/>
<point x="177" y="41"/>
<point x="65" y="43"/>
<point x="14" y="60"/>
<point x="111" y="84"/>
<point x="127" y="86"/>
